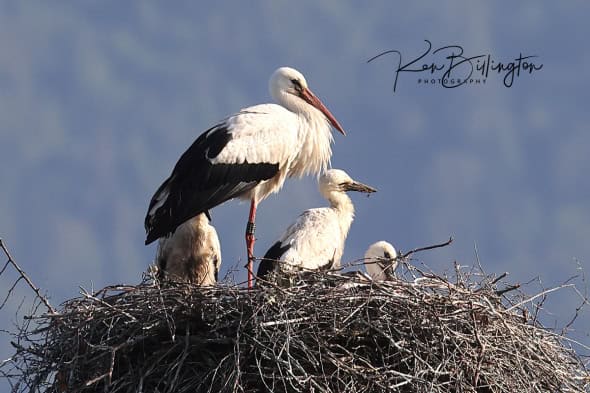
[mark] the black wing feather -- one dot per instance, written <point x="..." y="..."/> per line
<point x="270" y="260"/>
<point x="196" y="185"/>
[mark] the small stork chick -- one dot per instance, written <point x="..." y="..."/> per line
<point x="191" y="253"/>
<point x="380" y="261"/>
<point x="315" y="241"/>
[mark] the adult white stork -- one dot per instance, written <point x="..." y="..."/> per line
<point x="249" y="155"/>
<point x="315" y="241"/>
<point x="380" y="260"/>
<point x="192" y="253"/>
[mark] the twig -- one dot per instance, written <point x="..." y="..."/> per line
<point x="26" y="278"/>
<point x="542" y="294"/>
<point x="14" y="284"/>
<point x="401" y="257"/>
<point x="501" y="276"/>
<point x="407" y="254"/>
<point x="509" y="288"/>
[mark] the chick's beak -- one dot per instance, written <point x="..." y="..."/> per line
<point x="356" y="186"/>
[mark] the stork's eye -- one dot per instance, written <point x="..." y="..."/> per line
<point x="297" y="84"/>
<point x="387" y="255"/>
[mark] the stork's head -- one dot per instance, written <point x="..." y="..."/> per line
<point x="289" y="88"/>
<point x="336" y="180"/>
<point x="380" y="260"/>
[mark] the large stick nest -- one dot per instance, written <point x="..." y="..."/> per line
<point x="325" y="333"/>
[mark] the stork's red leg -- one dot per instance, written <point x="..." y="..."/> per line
<point x="250" y="228"/>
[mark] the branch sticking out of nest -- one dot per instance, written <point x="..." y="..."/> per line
<point x="407" y="254"/>
<point x="23" y="276"/>
<point x="326" y="333"/>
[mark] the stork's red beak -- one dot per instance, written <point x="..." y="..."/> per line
<point x="312" y="100"/>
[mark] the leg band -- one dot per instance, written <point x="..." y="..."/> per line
<point x="250" y="228"/>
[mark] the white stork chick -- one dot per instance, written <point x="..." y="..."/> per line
<point x="192" y="253"/>
<point x="380" y="261"/>
<point x="315" y="241"/>
<point x="249" y="155"/>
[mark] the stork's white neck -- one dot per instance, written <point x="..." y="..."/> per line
<point x="288" y="100"/>
<point x="314" y="136"/>
<point x="315" y="139"/>
<point x="342" y="205"/>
